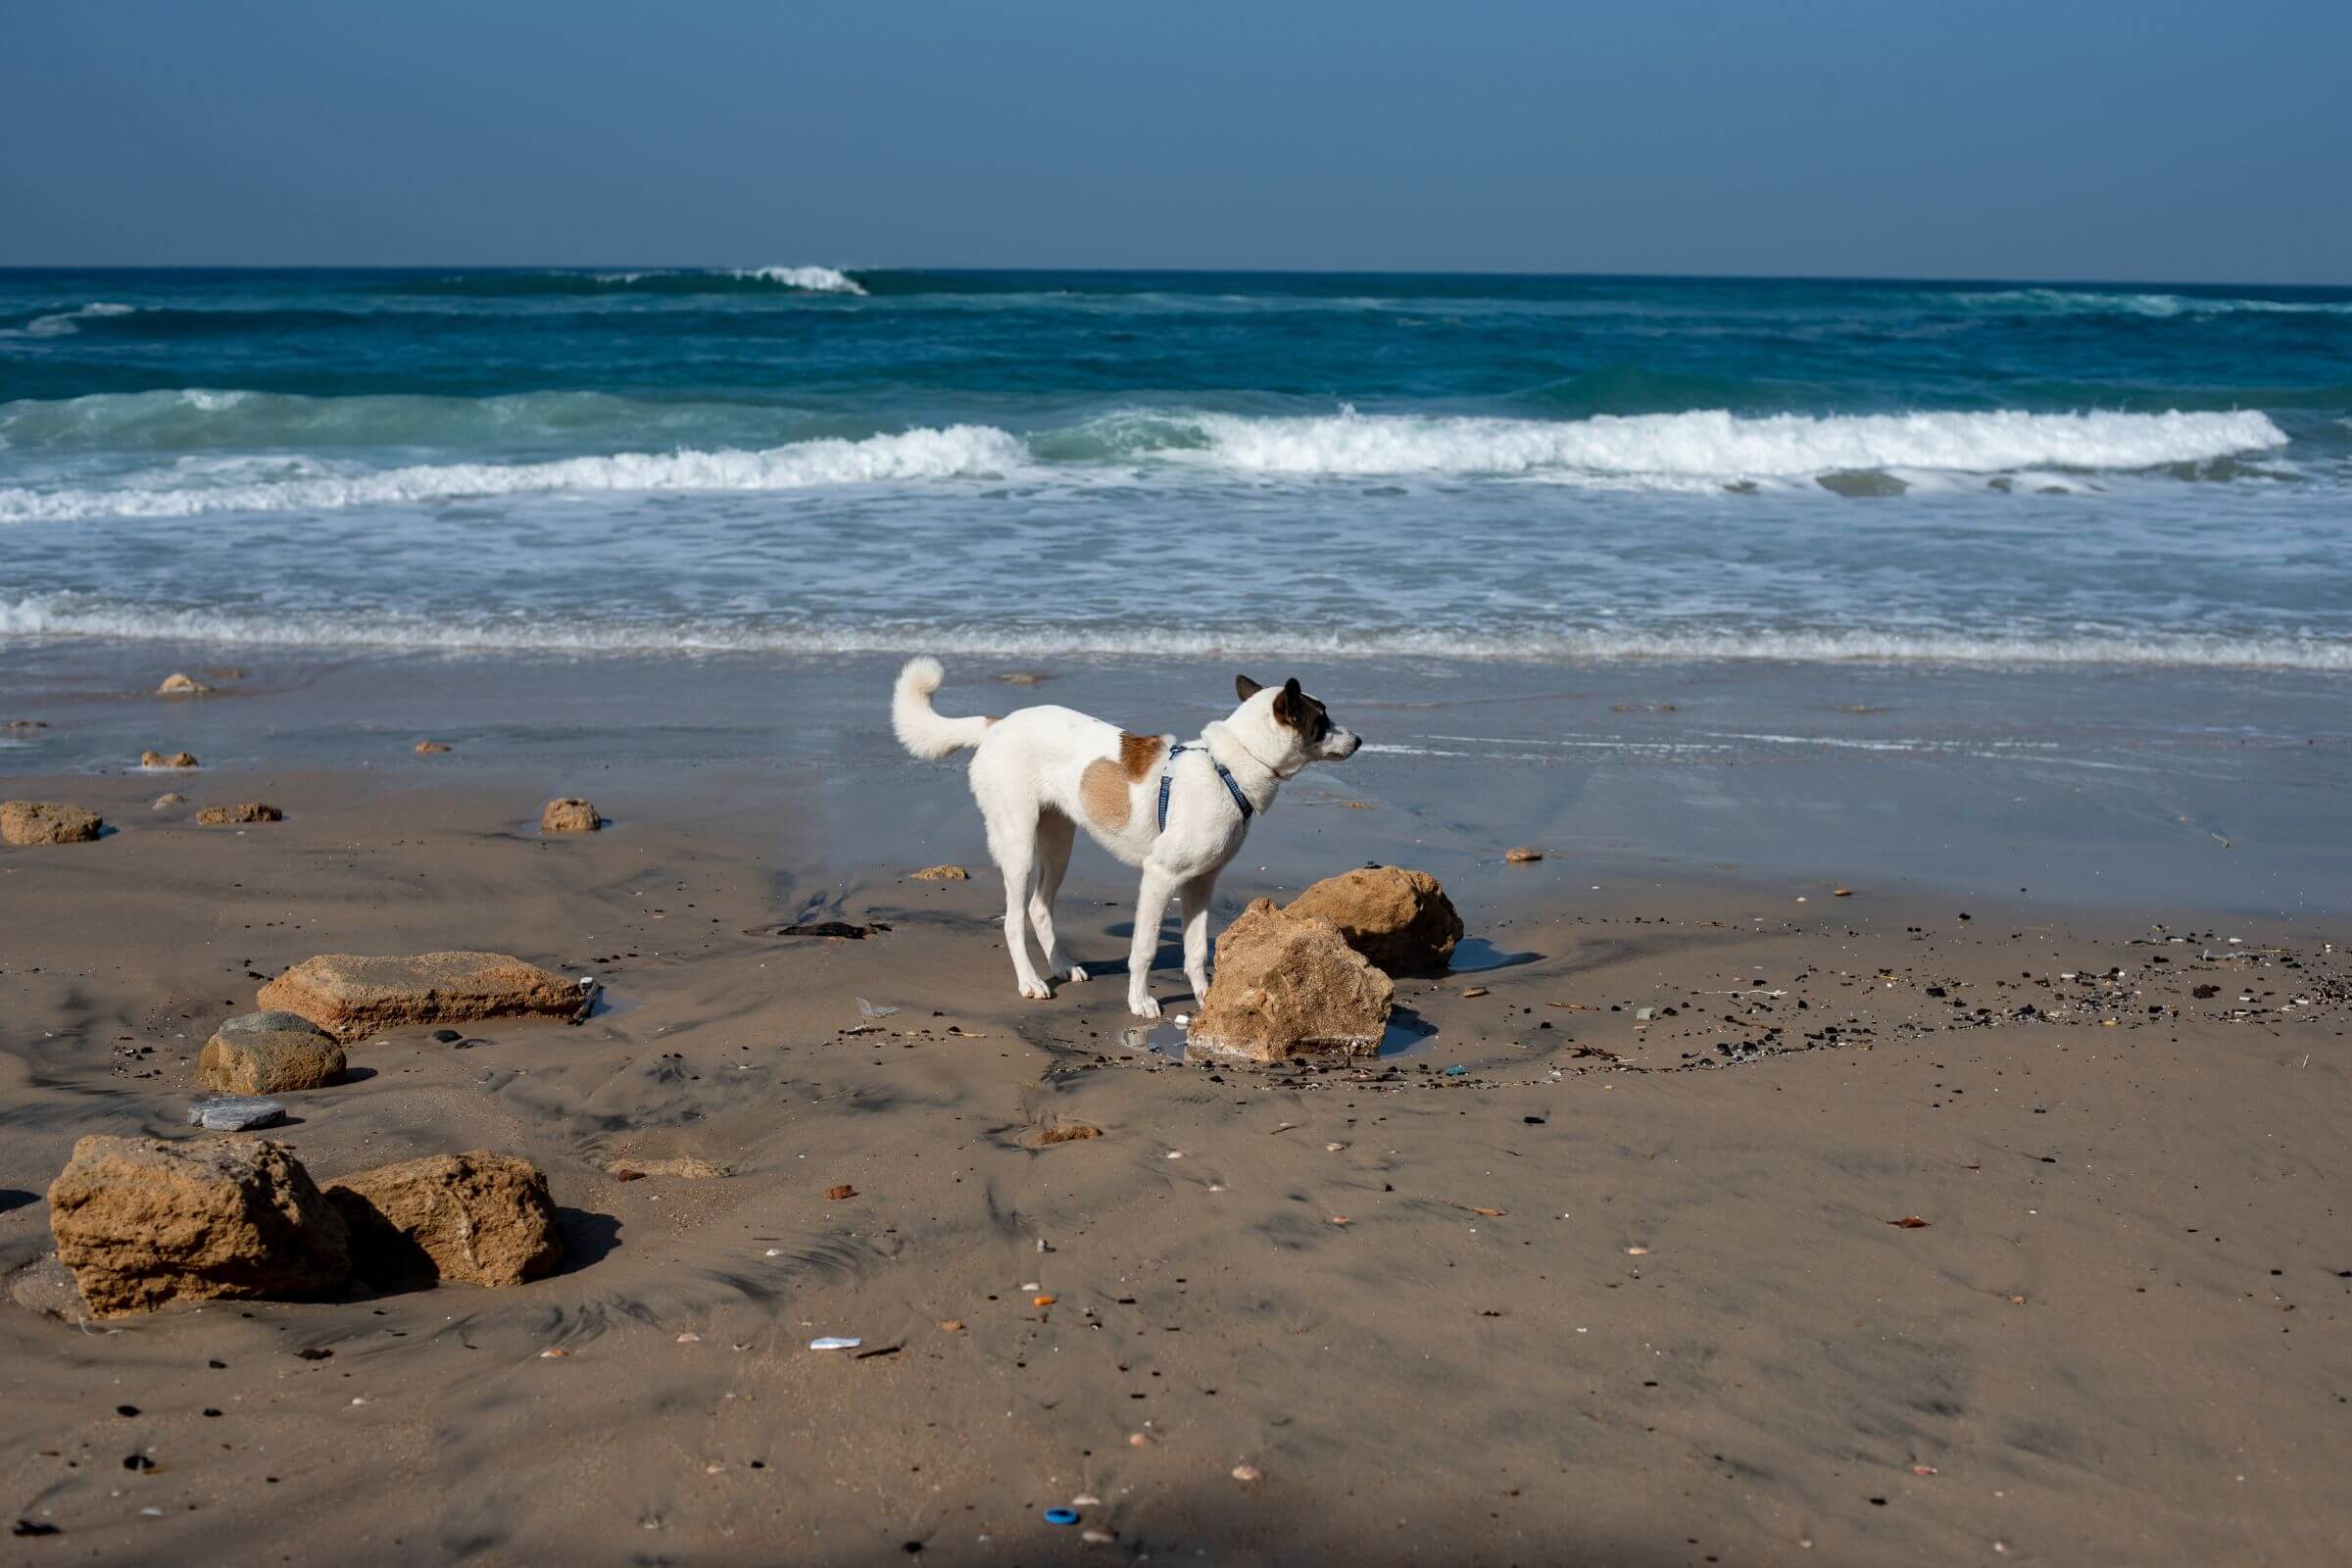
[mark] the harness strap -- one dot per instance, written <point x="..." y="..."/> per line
<point x="1167" y="779"/>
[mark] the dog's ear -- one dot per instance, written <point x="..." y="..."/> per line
<point x="1245" y="688"/>
<point x="1290" y="704"/>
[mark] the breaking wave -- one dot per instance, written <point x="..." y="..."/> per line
<point x="814" y="280"/>
<point x="1672" y="451"/>
<point x="300" y="485"/>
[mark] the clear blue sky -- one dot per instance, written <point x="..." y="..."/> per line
<point x="2055" y="139"/>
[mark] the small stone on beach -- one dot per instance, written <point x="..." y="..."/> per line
<point x="249" y="811"/>
<point x="942" y="874"/>
<point x="232" y="1113"/>
<point x="431" y="748"/>
<point x="570" y="814"/>
<point x="1522" y="856"/>
<point x="153" y="758"/>
<point x="177" y="685"/>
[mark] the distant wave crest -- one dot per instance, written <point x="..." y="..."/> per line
<point x="813" y="279"/>
<point x="65" y="324"/>
<point x="2092" y="302"/>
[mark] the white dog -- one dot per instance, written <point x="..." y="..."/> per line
<point x="1179" y="813"/>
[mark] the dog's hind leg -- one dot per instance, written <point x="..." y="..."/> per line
<point x="1014" y="848"/>
<point x="1054" y="835"/>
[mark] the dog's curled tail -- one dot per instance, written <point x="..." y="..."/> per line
<point x="921" y="728"/>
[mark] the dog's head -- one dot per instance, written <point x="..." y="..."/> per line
<point x="1287" y="728"/>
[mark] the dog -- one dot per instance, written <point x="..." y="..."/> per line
<point x="1041" y="773"/>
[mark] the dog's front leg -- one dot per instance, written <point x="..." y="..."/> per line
<point x="1197" y="893"/>
<point x="1150" y="904"/>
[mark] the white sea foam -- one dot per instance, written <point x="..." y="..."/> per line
<point x="1718" y="445"/>
<point x="814" y="280"/>
<point x="958" y="452"/>
<point x="64" y="324"/>
<point x="75" y="614"/>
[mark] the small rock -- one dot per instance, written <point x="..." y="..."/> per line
<point x="841" y="1192"/>
<point x="478" y="1218"/>
<point x="233" y="1113"/>
<point x="1287" y="984"/>
<point x="1474" y="991"/>
<point x="1248" y="1474"/>
<point x="249" y="811"/>
<point x="431" y="748"/>
<point x="570" y="815"/>
<point x="1399" y="920"/>
<point x="180" y="686"/>
<point x="1064" y="1133"/>
<point x="30" y="823"/>
<point x="268" y="1053"/>
<point x="25" y="726"/>
<point x="942" y="874"/>
<point x="350" y="996"/>
<point x="1522" y="856"/>
<point x="175" y="760"/>
<point x="166" y="801"/>
<point x="142" y="1222"/>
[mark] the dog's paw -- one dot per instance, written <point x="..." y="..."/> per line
<point x="1143" y="1006"/>
<point x="1036" y="990"/>
<point x="1076" y="976"/>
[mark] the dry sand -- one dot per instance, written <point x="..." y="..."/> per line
<point x="1621" y="1292"/>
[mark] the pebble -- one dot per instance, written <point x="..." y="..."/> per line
<point x="228" y="1113"/>
<point x="1248" y="1474"/>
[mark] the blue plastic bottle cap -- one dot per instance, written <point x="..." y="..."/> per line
<point x="1456" y="1071"/>
<point x="1062" y="1516"/>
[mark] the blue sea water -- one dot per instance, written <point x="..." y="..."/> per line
<point x="1530" y="468"/>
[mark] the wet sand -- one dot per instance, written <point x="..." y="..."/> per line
<point x="1689" y="1332"/>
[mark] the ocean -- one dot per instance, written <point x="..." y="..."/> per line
<point x="807" y="460"/>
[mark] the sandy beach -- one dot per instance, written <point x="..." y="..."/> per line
<point x="1607" y="1257"/>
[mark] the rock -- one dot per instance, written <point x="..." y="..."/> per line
<point x="690" y="1169"/>
<point x="166" y="801"/>
<point x="1399" y="920"/>
<point x="250" y="811"/>
<point x="431" y="748"/>
<point x="233" y="1113"/>
<point x="180" y="686"/>
<point x="268" y="1053"/>
<point x="25" y="822"/>
<point x="1287" y="984"/>
<point x="350" y="995"/>
<point x="942" y="874"/>
<point x="570" y="814"/>
<point x="1522" y="856"/>
<point x="478" y="1218"/>
<point x="25" y="726"/>
<point x="175" y="760"/>
<point x="142" y="1222"/>
<point x="47" y="1287"/>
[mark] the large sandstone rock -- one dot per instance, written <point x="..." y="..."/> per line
<point x="268" y="1053"/>
<point x="570" y="814"/>
<point x="350" y="995"/>
<point x="478" y="1218"/>
<point x="1399" y="920"/>
<point x="1287" y="986"/>
<point x="142" y="1222"/>
<point x="47" y="822"/>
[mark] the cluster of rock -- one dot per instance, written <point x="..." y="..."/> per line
<point x="142" y="1223"/>
<point x="30" y="823"/>
<point x="1315" y="977"/>
<point x="155" y="758"/>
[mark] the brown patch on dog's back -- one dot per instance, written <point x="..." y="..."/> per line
<point x="1139" y="754"/>
<point x="1103" y="790"/>
<point x="1106" y="788"/>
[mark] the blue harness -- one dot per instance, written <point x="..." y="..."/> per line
<point x="1167" y="777"/>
